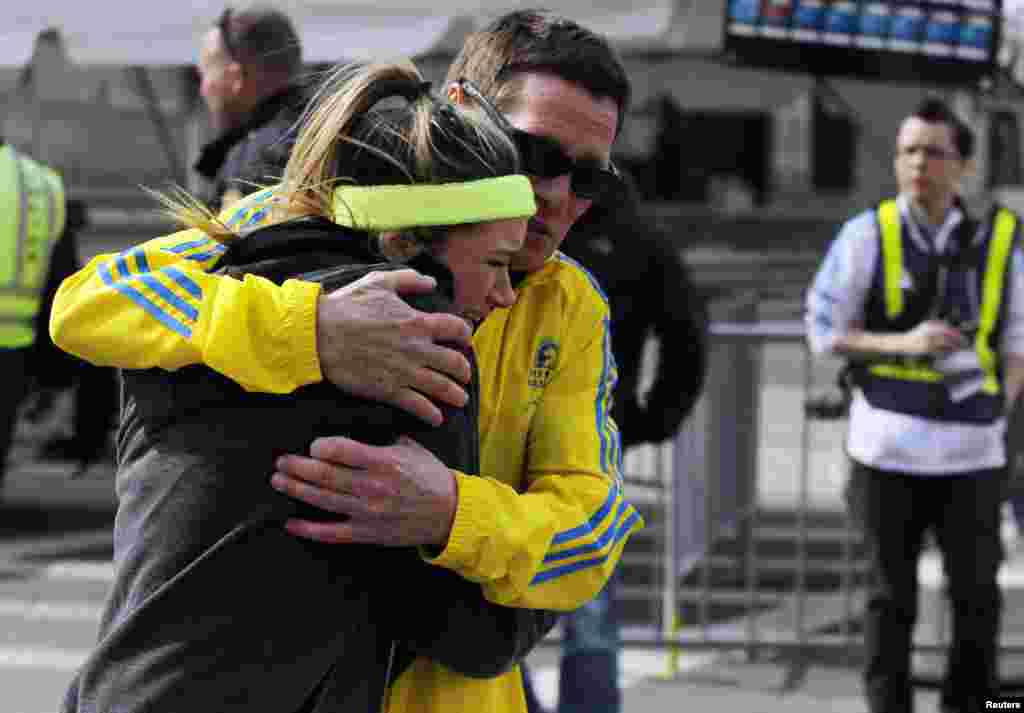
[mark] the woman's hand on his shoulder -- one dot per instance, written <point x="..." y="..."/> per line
<point x="372" y="344"/>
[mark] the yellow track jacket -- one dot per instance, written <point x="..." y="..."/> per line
<point x="546" y="524"/>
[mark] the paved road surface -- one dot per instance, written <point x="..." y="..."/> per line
<point x="55" y="571"/>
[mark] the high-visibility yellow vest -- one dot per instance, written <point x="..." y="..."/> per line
<point x="992" y="289"/>
<point x="31" y="220"/>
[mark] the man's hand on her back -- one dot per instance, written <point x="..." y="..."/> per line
<point x="372" y="344"/>
<point x="399" y="495"/>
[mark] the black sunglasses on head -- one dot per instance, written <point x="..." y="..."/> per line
<point x="543" y="157"/>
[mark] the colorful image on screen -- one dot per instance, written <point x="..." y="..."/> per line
<point x="808" y="17"/>
<point x="857" y="37"/>
<point x="744" y="16"/>
<point x="975" y="38"/>
<point x="775" y="18"/>
<point x="874" y="25"/>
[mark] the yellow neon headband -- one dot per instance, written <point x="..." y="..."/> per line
<point x="396" y="207"/>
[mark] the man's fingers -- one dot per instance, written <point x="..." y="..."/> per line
<point x="343" y="451"/>
<point x="333" y="476"/>
<point x="313" y="470"/>
<point x="419" y="406"/>
<point x="321" y="498"/>
<point x="344" y="464"/>
<point x="404" y="282"/>
<point x="446" y="327"/>
<point x="446" y="359"/>
<point x="438" y="387"/>
<point x="337" y="533"/>
<point x="331" y="533"/>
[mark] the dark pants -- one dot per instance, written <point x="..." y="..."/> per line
<point x="96" y="410"/>
<point x="14" y="367"/>
<point x="895" y="510"/>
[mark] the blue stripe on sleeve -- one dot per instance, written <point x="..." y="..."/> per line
<point x="237" y="216"/>
<point x="203" y="257"/>
<point x="596" y="545"/>
<point x="590" y="525"/>
<point x="604" y="396"/>
<point x="122" y="267"/>
<point x="612" y="428"/>
<point x="187" y="283"/>
<point x="140" y="259"/>
<point x="184" y="247"/>
<point x="251" y="202"/>
<point x="255" y="218"/>
<point x="153" y="309"/>
<point x="565" y="569"/>
<point x="168" y="296"/>
<point x="556" y="572"/>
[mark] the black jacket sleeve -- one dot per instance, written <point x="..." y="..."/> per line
<point x="679" y="318"/>
<point x="467" y="633"/>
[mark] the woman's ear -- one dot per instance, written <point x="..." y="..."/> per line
<point x="399" y="246"/>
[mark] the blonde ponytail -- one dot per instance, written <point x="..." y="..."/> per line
<point x="345" y="98"/>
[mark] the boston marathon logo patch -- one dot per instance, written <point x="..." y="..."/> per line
<point x="543" y="363"/>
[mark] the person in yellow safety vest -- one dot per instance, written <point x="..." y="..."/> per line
<point x="32" y="213"/>
<point x="927" y="304"/>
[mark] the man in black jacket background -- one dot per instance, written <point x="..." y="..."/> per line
<point x="249" y="68"/>
<point x="651" y="294"/>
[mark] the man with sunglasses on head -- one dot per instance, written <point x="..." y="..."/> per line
<point x="544" y="526"/>
<point x="927" y="304"/>
<point x="249" y="66"/>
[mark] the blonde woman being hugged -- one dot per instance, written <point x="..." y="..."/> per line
<point x="202" y="615"/>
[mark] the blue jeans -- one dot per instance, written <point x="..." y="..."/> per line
<point x="589" y="672"/>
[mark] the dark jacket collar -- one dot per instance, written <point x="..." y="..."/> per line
<point x="319" y="239"/>
<point x="213" y="154"/>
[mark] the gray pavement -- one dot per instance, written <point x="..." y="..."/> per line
<point x="51" y="594"/>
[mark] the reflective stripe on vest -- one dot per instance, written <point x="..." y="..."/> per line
<point x="1004" y="226"/>
<point x="32" y="214"/>
<point x="892" y="256"/>
<point x="992" y="288"/>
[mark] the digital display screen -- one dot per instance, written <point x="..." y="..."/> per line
<point x="937" y="40"/>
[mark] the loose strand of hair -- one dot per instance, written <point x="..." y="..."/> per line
<point x="188" y="211"/>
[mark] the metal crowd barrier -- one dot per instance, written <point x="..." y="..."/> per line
<point x="710" y="481"/>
